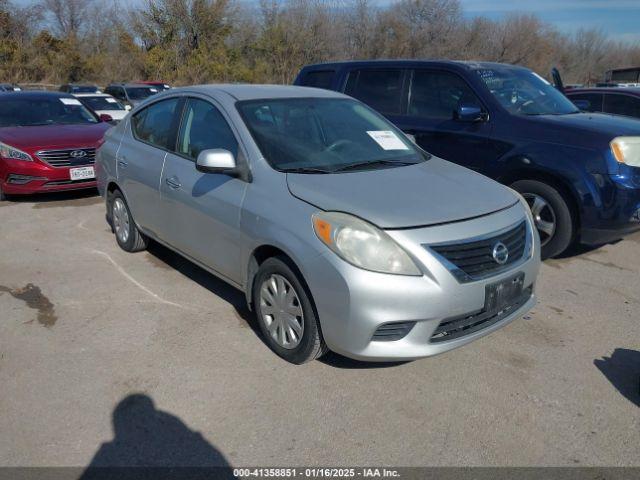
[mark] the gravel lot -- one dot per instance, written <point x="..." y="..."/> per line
<point x="110" y="358"/>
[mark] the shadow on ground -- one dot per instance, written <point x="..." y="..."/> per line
<point x="622" y="369"/>
<point x="150" y="443"/>
<point x="70" y="198"/>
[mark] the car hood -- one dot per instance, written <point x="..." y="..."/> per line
<point x="53" y="136"/>
<point x="609" y="126"/>
<point x="432" y="192"/>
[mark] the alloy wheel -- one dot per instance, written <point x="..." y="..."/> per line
<point x="544" y="217"/>
<point x="121" y="220"/>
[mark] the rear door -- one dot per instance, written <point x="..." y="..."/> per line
<point x="202" y="210"/>
<point x="434" y="96"/>
<point x="150" y="134"/>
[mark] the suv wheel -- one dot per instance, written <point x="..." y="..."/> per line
<point x="127" y="234"/>
<point x="551" y="215"/>
<point x="286" y="317"/>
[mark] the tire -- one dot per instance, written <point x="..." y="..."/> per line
<point x="3" y="197"/>
<point x="306" y="342"/>
<point x="548" y="206"/>
<point x="127" y="234"/>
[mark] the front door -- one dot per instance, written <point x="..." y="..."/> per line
<point x="202" y="210"/>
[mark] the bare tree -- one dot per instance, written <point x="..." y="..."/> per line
<point x="69" y="16"/>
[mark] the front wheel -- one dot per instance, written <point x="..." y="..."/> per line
<point x="551" y="216"/>
<point x="285" y="314"/>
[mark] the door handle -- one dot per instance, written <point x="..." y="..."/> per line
<point x="122" y="163"/>
<point x="173" y="182"/>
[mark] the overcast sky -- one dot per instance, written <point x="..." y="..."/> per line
<point x="618" y="18"/>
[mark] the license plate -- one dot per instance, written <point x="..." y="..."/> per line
<point x="501" y="295"/>
<point x="82" y="173"/>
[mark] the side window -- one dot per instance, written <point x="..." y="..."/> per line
<point x="438" y="94"/>
<point x="589" y="102"/>
<point x="204" y="127"/>
<point x="620" y="104"/>
<point x="380" y="89"/>
<point x="155" y="123"/>
<point x="318" y="79"/>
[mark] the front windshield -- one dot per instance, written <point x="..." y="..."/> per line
<point x="25" y="112"/>
<point x="323" y="135"/>
<point x="102" y="103"/>
<point x="140" y="93"/>
<point x="523" y="92"/>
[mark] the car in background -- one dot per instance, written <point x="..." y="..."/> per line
<point x="130" y="93"/>
<point x="48" y="142"/>
<point x="161" y="86"/>
<point x="615" y="100"/>
<point x="9" y="87"/>
<point x="103" y="104"/>
<point x="78" y="88"/>
<point x="341" y="232"/>
<point x="579" y="172"/>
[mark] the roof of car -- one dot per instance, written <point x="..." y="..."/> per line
<point x="635" y="91"/>
<point x="91" y="94"/>
<point x="130" y="85"/>
<point x="255" y="92"/>
<point x="35" y="94"/>
<point x="469" y="64"/>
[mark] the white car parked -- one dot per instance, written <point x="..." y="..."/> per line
<point x="102" y="103"/>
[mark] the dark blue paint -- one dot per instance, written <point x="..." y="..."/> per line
<point x="571" y="151"/>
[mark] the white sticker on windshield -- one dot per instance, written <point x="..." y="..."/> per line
<point x="387" y="140"/>
<point x="70" y="101"/>
<point x="154" y="90"/>
<point x="111" y="100"/>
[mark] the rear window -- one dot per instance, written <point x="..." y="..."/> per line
<point x="318" y="79"/>
<point x="380" y="89"/>
<point x="589" y="102"/>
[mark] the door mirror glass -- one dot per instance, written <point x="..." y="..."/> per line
<point x="216" y="160"/>
<point x="105" y="117"/>
<point x="468" y="112"/>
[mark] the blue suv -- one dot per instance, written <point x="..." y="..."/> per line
<point x="579" y="172"/>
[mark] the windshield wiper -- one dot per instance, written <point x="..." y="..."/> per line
<point x="357" y="165"/>
<point x="306" y="170"/>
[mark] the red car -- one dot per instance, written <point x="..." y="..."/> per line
<point x="48" y="143"/>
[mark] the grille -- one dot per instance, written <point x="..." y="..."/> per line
<point x="64" y="158"/>
<point x="474" y="259"/>
<point x="466" y="324"/>
<point x="392" y="331"/>
<point x="69" y="182"/>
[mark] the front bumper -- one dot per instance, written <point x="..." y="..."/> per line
<point x="352" y="303"/>
<point x="619" y="214"/>
<point x="23" y="178"/>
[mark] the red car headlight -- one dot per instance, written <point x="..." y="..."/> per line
<point x="12" y="153"/>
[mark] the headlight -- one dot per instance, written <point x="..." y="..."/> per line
<point x="12" y="153"/>
<point x="362" y="244"/>
<point x="626" y="150"/>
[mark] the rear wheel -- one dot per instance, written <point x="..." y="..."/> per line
<point x="127" y="234"/>
<point x="551" y="215"/>
<point x="285" y="314"/>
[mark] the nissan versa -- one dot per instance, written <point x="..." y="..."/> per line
<point x="579" y="172"/>
<point x="341" y="232"/>
<point x="47" y="142"/>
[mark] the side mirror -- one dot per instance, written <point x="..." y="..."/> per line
<point x="467" y="112"/>
<point x="105" y="117"/>
<point x="583" y="105"/>
<point x="216" y="160"/>
<point x="127" y="107"/>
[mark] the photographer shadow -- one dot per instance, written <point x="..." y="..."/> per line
<point x="152" y="444"/>
<point x="622" y="369"/>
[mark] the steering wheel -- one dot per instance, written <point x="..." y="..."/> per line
<point x="338" y="144"/>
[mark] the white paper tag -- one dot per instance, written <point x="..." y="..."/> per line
<point x="154" y="90"/>
<point x="70" y="101"/>
<point x="17" y="89"/>
<point x="387" y="140"/>
<point x="111" y="100"/>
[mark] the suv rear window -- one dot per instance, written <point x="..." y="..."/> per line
<point x="380" y="89"/>
<point x="318" y="79"/>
